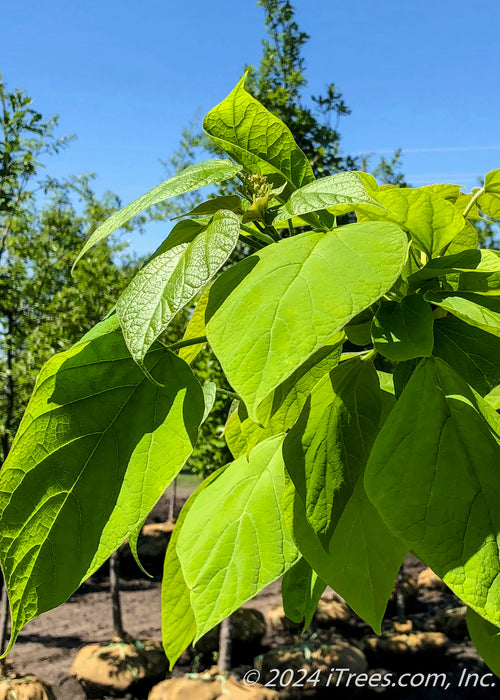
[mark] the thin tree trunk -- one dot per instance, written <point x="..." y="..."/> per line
<point x="9" y="419"/>
<point x="400" y="598"/>
<point x="10" y="388"/>
<point x="225" y="643"/>
<point x="114" y="586"/>
<point x="4" y="619"/>
<point x="173" y="500"/>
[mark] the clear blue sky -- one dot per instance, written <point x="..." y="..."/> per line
<point x="125" y="77"/>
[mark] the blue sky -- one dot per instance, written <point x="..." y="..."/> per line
<point x="125" y="77"/>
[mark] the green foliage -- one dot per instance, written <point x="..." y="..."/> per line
<point x="301" y="589"/>
<point x="304" y="282"/>
<point x="441" y="444"/>
<point x="486" y="639"/>
<point x="92" y="406"/>
<point x="247" y="516"/>
<point x="168" y="282"/>
<point x="344" y="460"/>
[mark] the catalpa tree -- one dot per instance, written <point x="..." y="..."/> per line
<point x="365" y="362"/>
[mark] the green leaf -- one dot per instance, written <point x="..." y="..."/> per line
<point x="183" y="232"/>
<point x="470" y="270"/>
<point x="493" y="398"/>
<point x="433" y="477"/>
<point x="209" y="172"/>
<point x="283" y="406"/>
<point x="473" y="353"/>
<point x="209" y="395"/>
<point x="486" y="639"/>
<point x="301" y="590"/>
<point x="214" y="204"/>
<point x="358" y="331"/>
<point x="402" y="374"/>
<point x="446" y="191"/>
<point x="433" y="222"/>
<point x="489" y="201"/>
<point x="386" y="381"/>
<point x="234" y="540"/>
<point x="97" y="447"/>
<point x="326" y="450"/>
<point x="466" y="260"/>
<point x="364" y="556"/>
<point x="233" y="433"/>
<point x="177" y="617"/>
<point x="195" y="329"/>
<point x="338" y="193"/>
<point x="169" y="282"/>
<point x="465" y="240"/>
<point x="257" y="139"/>
<point x="286" y="302"/>
<point x="476" y="309"/>
<point x="404" y="330"/>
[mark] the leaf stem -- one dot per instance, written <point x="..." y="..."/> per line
<point x="187" y="342"/>
<point x="473" y="200"/>
<point x="230" y="394"/>
<point x="259" y="235"/>
<point x="256" y="245"/>
<point x="290" y="227"/>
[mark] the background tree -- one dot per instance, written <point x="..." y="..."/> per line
<point x="43" y="308"/>
<point x="279" y="84"/>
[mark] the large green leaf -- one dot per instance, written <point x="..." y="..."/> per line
<point x="209" y="172"/>
<point x="234" y="540"/>
<point x="257" y="139"/>
<point x="404" y="330"/>
<point x="96" y="448"/>
<point x="170" y="280"/>
<point x="470" y="270"/>
<point x="467" y="239"/>
<point x="327" y="448"/>
<point x="473" y="353"/>
<point x="339" y="193"/>
<point x="433" y="477"/>
<point x="284" y="404"/>
<point x="432" y="221"/>
<point x="364" y="556"/>
<point x="446" y="191"/>
<point x="177" y="617"/>
<point x="477" y="309"/>
<point x="286" y="302"/>
<point x="471" y="261"/>
<point x="486" y="639"/>
<point x="214" y="204"/>
<point x="489" y="201"/>
<point x="301" y="590"/>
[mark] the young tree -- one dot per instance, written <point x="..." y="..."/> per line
<point x="343" y="461"/>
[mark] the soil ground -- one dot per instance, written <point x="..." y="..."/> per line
<point x="47" y="645"/>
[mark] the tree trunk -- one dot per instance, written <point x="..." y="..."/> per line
<point x="225" y="643"/>
<point x="9" y="419"/>
<point x="4" y="618"/>
<point x="173" y="499"/>
<point x="400" y="598"/>
<point x="114" y="587"/>
<point x="9" y="388"/>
